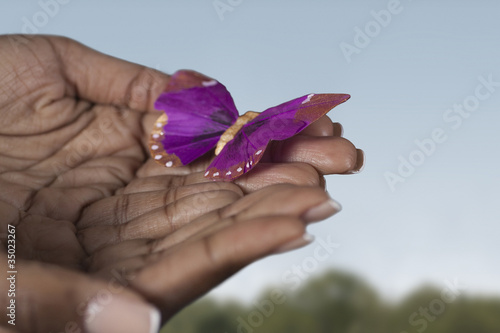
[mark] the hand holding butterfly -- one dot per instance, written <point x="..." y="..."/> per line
<point x="103" y="235"/>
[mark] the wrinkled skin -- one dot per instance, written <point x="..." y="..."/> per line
<point x="92" y="210"/>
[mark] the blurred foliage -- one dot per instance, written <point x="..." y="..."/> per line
<point x="341" y="303"/>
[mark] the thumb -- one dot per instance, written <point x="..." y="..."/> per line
<point x="45" y="298"/>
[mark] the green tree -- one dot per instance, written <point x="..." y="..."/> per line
<point x="342" y="303"/>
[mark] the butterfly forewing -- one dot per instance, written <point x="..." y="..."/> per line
<point x="197" y="111"/>
<point x="277" y="123"/>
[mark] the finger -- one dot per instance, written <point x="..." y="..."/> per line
<point x="234" y="242"/>
<point x="282" y="199"/>
<point x="305" y="202"/>
<point x="197" y="267"/>
<point x="120" y="209"/>
<point x="266" y="174"/>
<point x="104" y="79"/>
<point x="262" y="175"/>
<point x="329" y="155"/>
<point x="309" y="204"/>
<point x="321" y="127"/>
<point x="51" y="299"/>
<point x="338" y="130"/>
<point x="157" y="223"/>
<point x="360" y="162"/>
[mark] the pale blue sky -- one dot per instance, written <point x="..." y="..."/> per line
<point x="443" y="221"/>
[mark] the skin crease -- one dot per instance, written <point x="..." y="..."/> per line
<point x="90" y="206"/>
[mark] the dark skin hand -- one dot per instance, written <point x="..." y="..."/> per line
<point x="105" y="237"/>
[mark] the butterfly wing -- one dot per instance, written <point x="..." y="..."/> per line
<point x="197" y="110"/>
<point x="281" y="122"/>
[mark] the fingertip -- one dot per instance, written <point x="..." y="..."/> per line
<point x="338" y="130"/>
<point x="121" y="314"/>
<point x="321" y="127"/>
<point x="360" y="162"/>
<point x="296" y="243"/>
<point x="322" y="211"/>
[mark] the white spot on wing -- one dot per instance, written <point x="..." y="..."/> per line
<point x="154" y="147"/>
<point x="159" y="125"/>
<point x="169" y="164"/>
<point x="239" y="169"/>
<point x="216" y="174"/>
<point x="156" y="136"/>
<point x="228" y="173"/>
<point x="308" y="98"/>
<point x="258" y="152"/>
<point x="209" y="83"/>
<point x="157" y="157"/>
<point x="206" y="173"/>
<point x="248" y="165"/>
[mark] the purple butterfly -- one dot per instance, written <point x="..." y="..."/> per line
<point x="200" y="114"/>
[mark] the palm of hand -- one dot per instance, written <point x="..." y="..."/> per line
<point x="78" y="184"/>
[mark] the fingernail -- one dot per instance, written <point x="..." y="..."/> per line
<point x="322" y="211"/>
<point x="295" y="244"/>
<point x="360" y="162"/>
<point x="121" y="314"/>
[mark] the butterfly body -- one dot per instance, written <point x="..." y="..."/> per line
<point x="230" y="133"/>
<point x="201" y="114"/>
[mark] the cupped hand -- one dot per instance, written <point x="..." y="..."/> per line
<point x="106" y="239"/>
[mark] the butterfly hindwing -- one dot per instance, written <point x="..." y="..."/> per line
<point x="277" y="123"/>
<point x="197" y="110"/>
<point x="236" y="158"/>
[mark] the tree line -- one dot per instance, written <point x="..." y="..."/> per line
<point x="338" y="302"/>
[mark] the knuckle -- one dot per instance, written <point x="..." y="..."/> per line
<point x="139" y="92"/>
